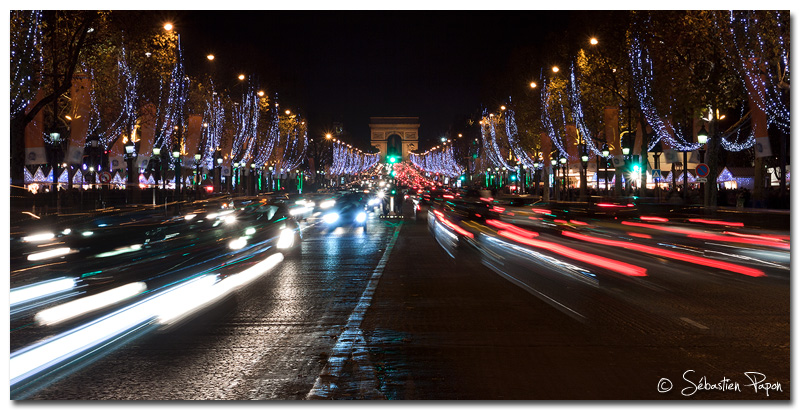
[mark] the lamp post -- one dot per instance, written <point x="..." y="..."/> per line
<point x="130" y="154"/>
<point x="702" y="139"/>
<point x="196" y="187"/>
<point x="55" y="138"/>
<point x="605" y="166"/>
<point x="270" y="176"/>
<point x="554" y="163"/>
<point x="253" y="178"/>
<point x="218" y="172"/>
<point x="585" y="163"/>
<point x="176" y="156"/>
<point x="157" y="170"/>
<point x="685" y="178"/>
<point x="563" y="161"/>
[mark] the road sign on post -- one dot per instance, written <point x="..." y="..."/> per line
<point x="656" y="174"/>
<point x="701" y="170"/>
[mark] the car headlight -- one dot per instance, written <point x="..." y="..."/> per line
<point x="331" y="217"/>
<point x="39" y="237"/>
<point x="327" y="204"/>
<point x="361" y="217"/>
<point x="299" y="211"/>
<point x="286" y="240"/>
<point x="52" y="253"/>
<point x="238" y="243"/>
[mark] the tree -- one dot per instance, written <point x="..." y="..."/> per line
<point x="65" y="39"/>
<point x="690" y="78"/>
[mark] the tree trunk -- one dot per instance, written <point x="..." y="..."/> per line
<point x="18" y="150"/>
<point x="759" y="184"/>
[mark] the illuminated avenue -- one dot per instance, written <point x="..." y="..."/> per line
<point x="190" y="224"/>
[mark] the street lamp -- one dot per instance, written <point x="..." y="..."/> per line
<point x="160" y="169"/>
<point x="554" y="163"/>
<point x="130" y="153"/>
<point x="270" y="176"/>
<point x="253" y="177"/>
<point x="218" y="173"/>
<point x="605" y="166"/>
<point x="702" y="139"/>
<point x="197" y="158"/>
<point x="176" y="156"/>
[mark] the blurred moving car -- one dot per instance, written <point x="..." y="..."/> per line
<point x="349" y="210"/>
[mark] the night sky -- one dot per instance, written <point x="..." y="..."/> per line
<point x="347" y="66"/>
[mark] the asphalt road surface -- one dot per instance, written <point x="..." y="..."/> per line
<point x="391" y="314"/>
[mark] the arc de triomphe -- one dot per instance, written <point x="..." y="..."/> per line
<point x="394" y="135"/>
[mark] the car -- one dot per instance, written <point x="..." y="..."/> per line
<point x="349" y="210"/>
<point x="265" y="222"/>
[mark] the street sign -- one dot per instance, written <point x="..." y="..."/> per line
<point x="701" y="170"/>
<point x="701" y="179"/>
<point x="656" y="174"/>
<point x="105" y="177"/>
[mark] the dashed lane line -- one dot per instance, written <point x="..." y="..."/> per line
<point x="351" y="343"/>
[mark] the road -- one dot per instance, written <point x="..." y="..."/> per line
<point x="392" y="313"/>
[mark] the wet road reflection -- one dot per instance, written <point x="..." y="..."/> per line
<point x="460" y="299"/>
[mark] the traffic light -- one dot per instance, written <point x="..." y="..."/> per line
<point x="513" y="177"/>
<point x="461" y="177"/>
<point x="392" y="159"/>
<point x="636" y="169"/>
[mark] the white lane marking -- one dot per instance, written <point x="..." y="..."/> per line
<point x="695" y="324"/>
<point x="351" y="340"/>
